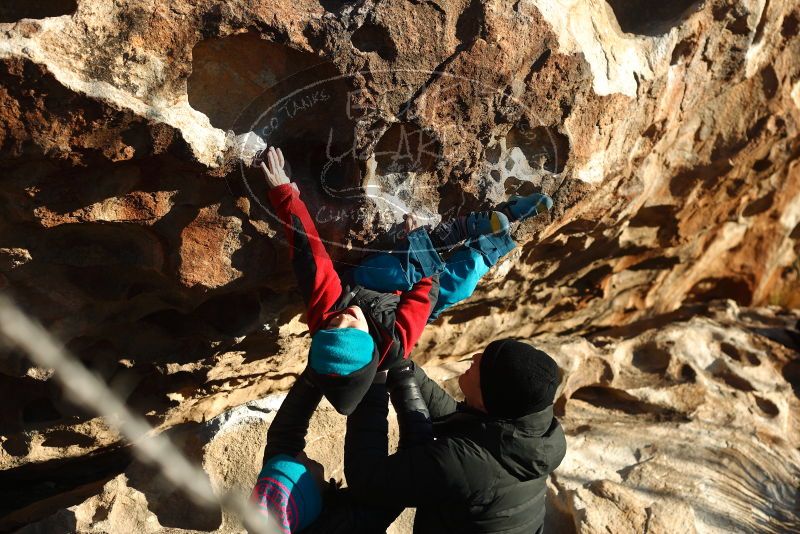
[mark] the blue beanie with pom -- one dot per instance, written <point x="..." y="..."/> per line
<point x="287" y="492"/>
<point x="340" y="351"/>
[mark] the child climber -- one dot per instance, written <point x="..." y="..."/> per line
<point x="465" y="266"/>
<point x="371" y="324"/>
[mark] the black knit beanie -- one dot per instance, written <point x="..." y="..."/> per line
<point x="517" y="379"/>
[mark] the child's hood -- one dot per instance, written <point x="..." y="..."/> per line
<point x="380" y="310"/>
<point x="373" y="303"/>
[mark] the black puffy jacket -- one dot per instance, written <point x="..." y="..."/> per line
<point x="479" y="475"/>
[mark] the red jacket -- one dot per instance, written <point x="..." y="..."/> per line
<point x="396" y="319"/>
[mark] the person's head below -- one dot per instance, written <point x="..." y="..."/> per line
<point x="510" y="379"/>
<point x="289" y="491"/>
<point x="343" y="359"/>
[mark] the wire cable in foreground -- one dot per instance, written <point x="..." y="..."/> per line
<point x="151" y="447"/>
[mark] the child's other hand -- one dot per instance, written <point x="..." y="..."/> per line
<point x="273" y="170"/>
<point x="411" y="223"/>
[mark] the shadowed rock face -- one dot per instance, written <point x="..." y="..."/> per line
<point x="666" y="135"/>
<point x="645" y="18"/>
<point x="36" y="9"/>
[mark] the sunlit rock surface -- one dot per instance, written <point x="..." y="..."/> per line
<point x="667" y="135"/>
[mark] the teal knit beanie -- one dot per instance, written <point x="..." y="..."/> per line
<point x="340" y="351"/>
<point x="287" y="492"/>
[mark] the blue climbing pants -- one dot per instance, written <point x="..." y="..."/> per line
<point x="459" y="275"/>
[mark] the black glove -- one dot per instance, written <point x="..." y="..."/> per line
<point x="413" y="416"/>
<point x="380" y="377"/>
<point x="400" y="373"/>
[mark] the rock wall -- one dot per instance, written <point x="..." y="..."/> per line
<point x="667" y="135"/>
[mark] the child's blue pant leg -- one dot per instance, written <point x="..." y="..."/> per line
<point x="400" y="269"/>
<point x="385" y="272"/>
<point x="466" y="266"/>
<point x="458" y="278"/>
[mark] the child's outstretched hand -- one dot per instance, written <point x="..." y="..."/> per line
<point x="273" y="170"/>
